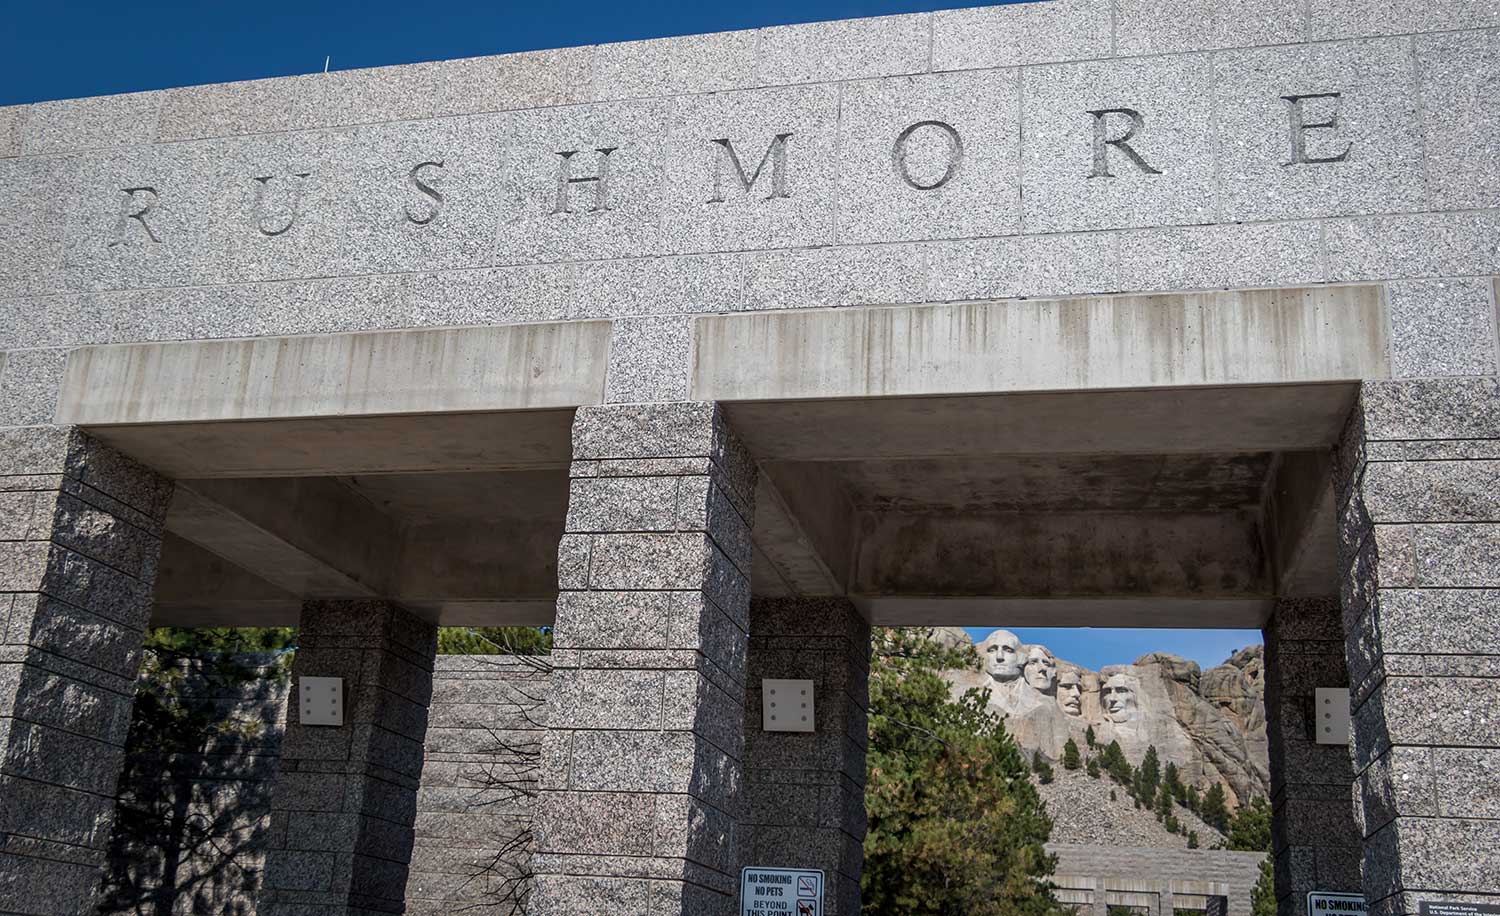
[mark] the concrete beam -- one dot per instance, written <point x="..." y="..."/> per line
<point x="1266" y="418"/>
<point x="1081" y="611"/>
<point x="1301" y="524"/>
<point x="1158" y="555"/>
<point x="445" y="370"/>
<point x="312" y="536"/>
<point x="804" y="530"/>
<point x="1245" y="337"/>
<point x="341" y="446"/>
<point x="196" y="588"/>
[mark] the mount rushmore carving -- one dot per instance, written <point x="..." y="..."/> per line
<point x="1213" y="725"/>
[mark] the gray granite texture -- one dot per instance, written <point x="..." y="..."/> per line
<point x="344" y="805"/>
<point x="806" y="790"/>
<point x="80" y="537"/>
<point x="642" y="774"/>
<point x="431" y="193"/>
<point x="1416" y="500"/>
<point x="1316" y="842"/>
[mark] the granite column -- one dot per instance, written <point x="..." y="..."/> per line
<point x="641" y="787"/>
<point x="1418" y="484"/>
<point x="807" y="789"/>
<point x="80" y="539"/>
<point x="345" y="800"/>
<point x="1315" y="840"/>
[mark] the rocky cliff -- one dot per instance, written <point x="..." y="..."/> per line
<point x="1211" y="724"/>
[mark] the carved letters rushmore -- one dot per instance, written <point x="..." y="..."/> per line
<point x="1312" y="125"/>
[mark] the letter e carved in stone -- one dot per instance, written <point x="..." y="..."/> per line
<point x="1297" y="115"/>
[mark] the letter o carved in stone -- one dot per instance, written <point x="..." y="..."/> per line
<point x="955" y="157"/>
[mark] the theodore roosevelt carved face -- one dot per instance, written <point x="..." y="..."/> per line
<point x="1070" y="693"/>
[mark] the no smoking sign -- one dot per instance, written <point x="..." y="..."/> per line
<point x="789" y="891"/>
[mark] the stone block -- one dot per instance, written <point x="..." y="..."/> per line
<point x="31" y="259"/>
<point x="1267" y="169"/>
<point x="1442" y="327"/>
<point x="782" y="142"/>
<point x="1439" y="621"/>
<point x="644" y="431"/>
<point x="1461" y="136"/>
<point x="12" y="127"/>
<point x="649" y="561"/>
<point x="623" y="504"/>
<point x="1227" y="257"/>
<point x="1458" y="408"/>
<point x="1174" y="26"/>
<point x="1456" y="555"/>
<point x="1329" y="19"/>
<point x="1467" y="782"/>
<point x="842" y="50"/>
<point x="566" y="895"/>
<point x="552" y="217"/>
<point x="613" y="620"/>
<point x="71" y="125"/>
<point x="607" y="699"/>
<point x="609" y="761"/>
<point x="29" y="382"/>
<point x="1017" y="34"/>
<point x="1025" y="267"/>
<point x="929" y="157"/>
<point x="1412" y="246"/>
<point x="1432" y="491"/>
<point x="715" y="62"/>
<point x="658" y="286"/>
<point x="691" y="702"/>
<point x="648" y="360"/>
<point x="1399" y="782"/>
<point x="826" y="277"/>
<point x="596" y="823"/>
<point x="506" y="82"/>
<point x="1076" y="179"/>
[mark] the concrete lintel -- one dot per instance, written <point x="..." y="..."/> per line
<point x="445" y="370"/>
<point x="311" y="536"/>
<point x="1241" y="337"/>
<point x="1068" y="554"/>
<point x="196" y="588"/>
<point x="1144" y="613"/>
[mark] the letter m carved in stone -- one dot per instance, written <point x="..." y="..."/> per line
<point x="775" y="155"/>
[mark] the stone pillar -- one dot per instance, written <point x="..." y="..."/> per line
<point x="80" y="538"/>
<point x="641" y="786"/>
<point x="1316" y="842"/>
<point x="807" y="791"/>
<point x="345" y="799"/>
<point x="1417" y="475"/>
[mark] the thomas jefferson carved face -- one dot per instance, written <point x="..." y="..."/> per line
<point x="1119" y="697"/>
<point x="1070" y="693"/>
<point x="1001" y="652"/>
<point x="1041" y="669"/>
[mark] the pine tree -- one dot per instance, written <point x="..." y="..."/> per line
<point x="956" y="825"/>
<point x="1250" y="828"/>
<point x="1042" y="769"/>
<point x="1263" y="895"/>
<point x="1192" y="839"/>
<point x="1089" y="736"/>
<point x="1071" y="759"/>
<point x="1164" y="807"/>
<point x="1093" y="767"/>
<point x="1150" y="773"/>
<point x="1213" y="809"/>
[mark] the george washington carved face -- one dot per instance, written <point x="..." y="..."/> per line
<point x="1001" y="652"/>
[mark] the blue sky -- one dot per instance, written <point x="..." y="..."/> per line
<point x="66" y="49"/>
<point x="1095" y="648"/>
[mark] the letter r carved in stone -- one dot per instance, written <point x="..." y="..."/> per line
<point x="136" y="204"/>
<point x="1102" y="142"/>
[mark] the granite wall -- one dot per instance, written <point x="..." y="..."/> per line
<point x="192" y="831"/>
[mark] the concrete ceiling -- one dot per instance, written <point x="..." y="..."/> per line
<point x="1133" y="508"/>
